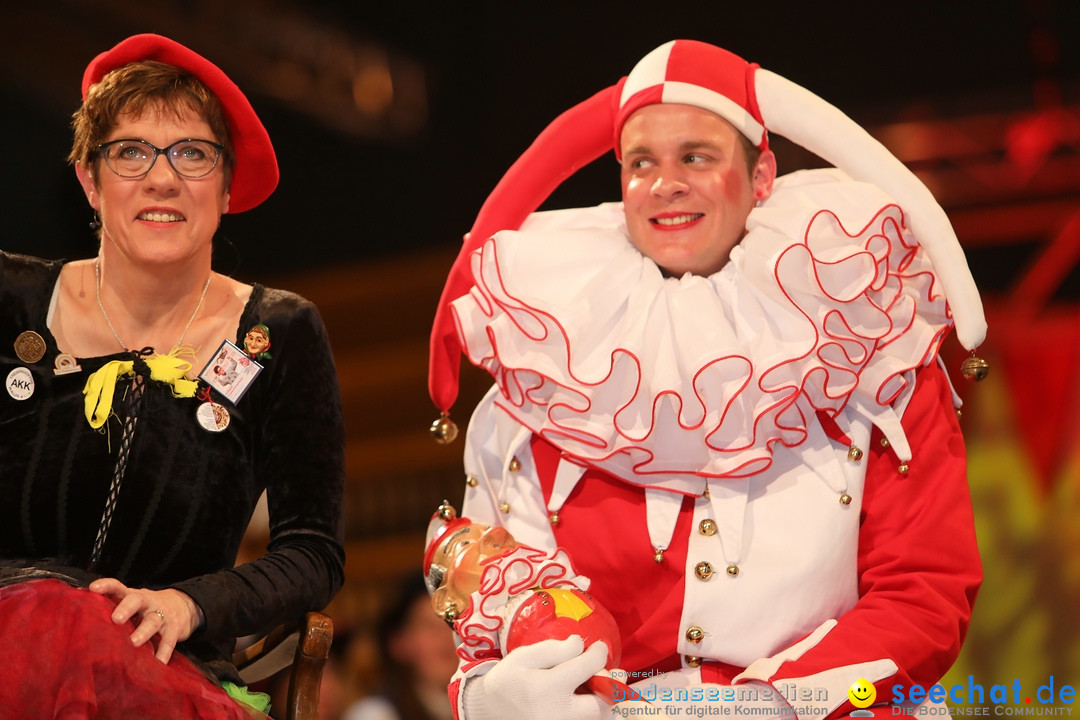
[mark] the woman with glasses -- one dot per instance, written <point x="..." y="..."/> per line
<point x="128" y="469"/>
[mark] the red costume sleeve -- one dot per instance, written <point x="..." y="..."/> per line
<point x="918" y="561"/>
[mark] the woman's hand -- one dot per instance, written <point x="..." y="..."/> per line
<point x="169" y="614"/>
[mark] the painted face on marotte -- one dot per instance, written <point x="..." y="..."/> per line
<point x="162" y="217"/>
<point x="686" y="187"/>
<point x="465" y="554"/>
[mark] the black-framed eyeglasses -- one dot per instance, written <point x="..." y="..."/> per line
<point x="134" y="158"/>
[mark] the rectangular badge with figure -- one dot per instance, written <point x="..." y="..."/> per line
<point x="230" y="371"/>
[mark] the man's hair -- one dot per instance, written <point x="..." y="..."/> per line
<point x="140" y="87"/>
<point x="752" y="153"/>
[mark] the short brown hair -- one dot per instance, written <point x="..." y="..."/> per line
<point x="139" y="87"/>
<point x="752" y="153"/>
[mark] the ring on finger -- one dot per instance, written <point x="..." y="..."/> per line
<point x="159" y="614"/>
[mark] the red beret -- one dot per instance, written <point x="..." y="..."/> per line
<point x="256" y="173"/>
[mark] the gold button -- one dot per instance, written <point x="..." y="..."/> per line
<point x="707" y="527"/>
<point x="692" y="660"/>
<point x="884" y="442"/>
<point x="658" y="556"/>
<point x="470" y="481"/>
<point x="854" y="454"/>
<point x="703" y="570"/>
<point x="695" y="634"/>
<point x="845" y="499"/>
<point x="515" y="464"/>
<point x="505" y="507"/>
<point x="732" y="570"/>
<point x="554" y="518"/>
<point x="903" y="468"/>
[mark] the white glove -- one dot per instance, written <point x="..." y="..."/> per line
<point x="537" y="682"/>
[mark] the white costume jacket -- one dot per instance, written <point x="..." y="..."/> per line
<point x="760" y="471"/>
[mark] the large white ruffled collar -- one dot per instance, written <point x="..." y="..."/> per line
<point x="826" y="303"/>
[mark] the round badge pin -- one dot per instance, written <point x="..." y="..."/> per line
<point x="212" y="417"/>
<point x="20" y="383"/>
<point x="29" y="346"/>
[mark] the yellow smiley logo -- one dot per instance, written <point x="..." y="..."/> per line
<point x="862" y="693"/>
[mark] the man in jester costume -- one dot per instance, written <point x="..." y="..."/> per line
<point x="722" y="398"/>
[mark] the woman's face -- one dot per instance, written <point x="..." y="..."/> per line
<point x="162" y="218"/>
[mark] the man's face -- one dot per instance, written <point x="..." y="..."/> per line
<point x="686" y="187"/>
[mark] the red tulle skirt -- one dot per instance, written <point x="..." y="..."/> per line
<point x="62" y="657"/>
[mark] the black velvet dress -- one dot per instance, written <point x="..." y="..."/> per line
<point x="187" y="494"/>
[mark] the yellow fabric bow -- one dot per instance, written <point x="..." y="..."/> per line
<point x="169" y="369"/>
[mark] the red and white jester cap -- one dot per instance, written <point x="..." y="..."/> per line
<point x="687" y="72"/>
<point x="756" y="102"/>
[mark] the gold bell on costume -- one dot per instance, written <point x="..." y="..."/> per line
<point x="444" y="430"/>
<point x="975" y="368"/>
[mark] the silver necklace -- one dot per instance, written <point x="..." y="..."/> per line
<point x="101" y="306"/>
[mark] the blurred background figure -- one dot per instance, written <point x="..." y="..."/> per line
<point x="416" y="660"/>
